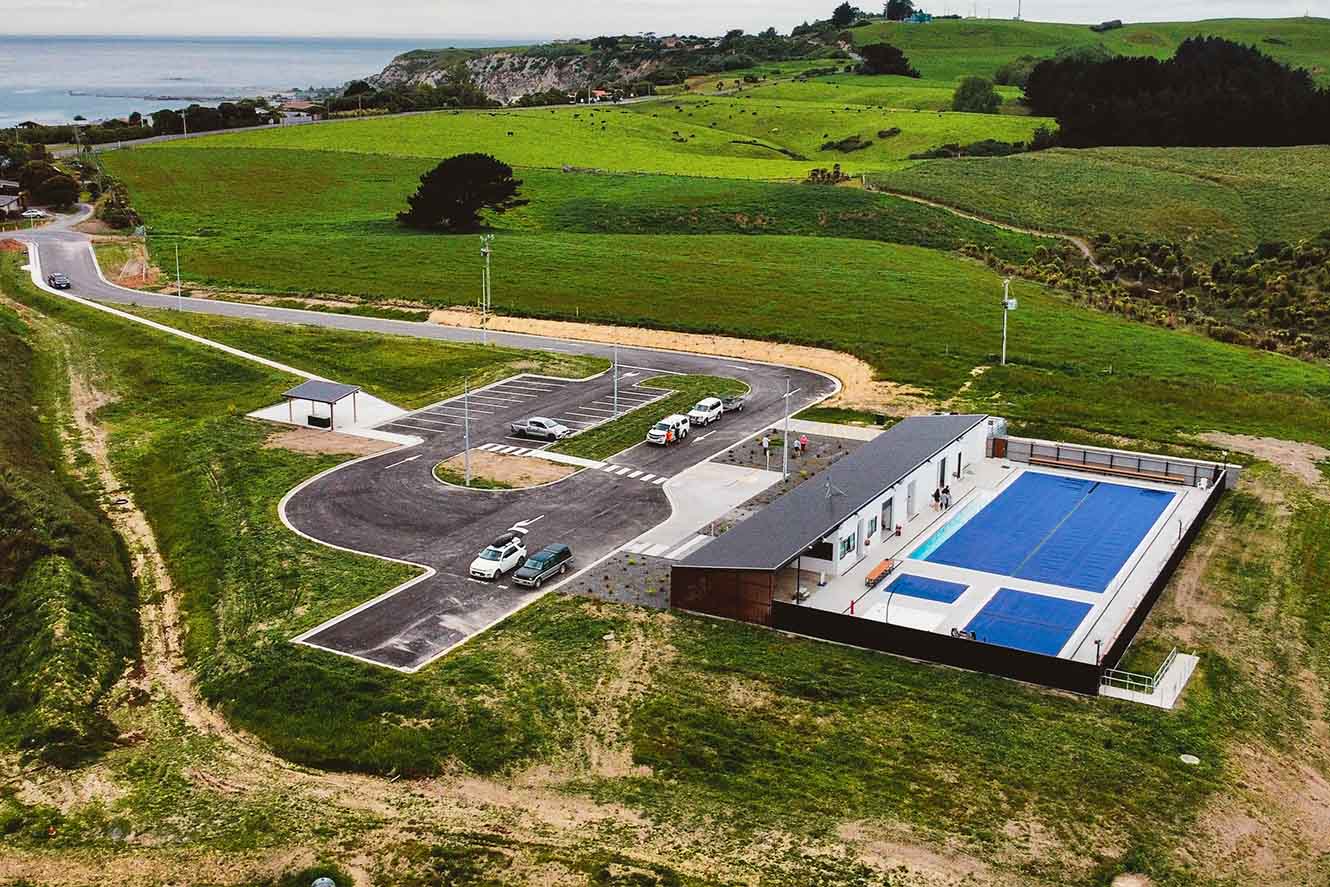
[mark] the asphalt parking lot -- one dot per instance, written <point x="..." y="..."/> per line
<point x="577" y="404"/>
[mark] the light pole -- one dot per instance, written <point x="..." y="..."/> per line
<point x="486" y="292"/>
<point x="179" y="298"/>
<point x="466" y="429"/>
<point x="616" y="379"/>
<point x="1008" y="305"/>
<point x="785" y="449"/>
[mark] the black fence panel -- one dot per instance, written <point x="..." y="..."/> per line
<point x="1035" y="668"/>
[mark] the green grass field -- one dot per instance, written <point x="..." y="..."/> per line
<point x="685" y="136"/>
<point x="336" y="196"/>
<point x="876" y="91"/>
<point x="1215" y="201"/>
<point x="948" y="50"/>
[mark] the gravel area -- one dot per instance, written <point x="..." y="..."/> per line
<point x="626" y="579"/>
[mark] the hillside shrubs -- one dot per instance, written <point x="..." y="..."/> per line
<point x="976" y="96"/>
<point x="846" y="145"/>
<point x="452" y="196"/>
<point x="1275" y="297"/>
<point x="883" y="58"/>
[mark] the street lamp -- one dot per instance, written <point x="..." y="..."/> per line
<point x="785" y="450"/>
<point x="1008" y="305"/>
<point x="486" y="293"/>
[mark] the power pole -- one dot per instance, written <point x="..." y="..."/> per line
<point x="466" y="429"/>
<point x="616" y="379"/>
<point x="486" y="293"/>
<point x="179" y="298"/>
<point x="1008" y="305"/>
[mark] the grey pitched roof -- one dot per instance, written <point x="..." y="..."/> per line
<point x="771" y="538"/>
<point x="320" y="391"/>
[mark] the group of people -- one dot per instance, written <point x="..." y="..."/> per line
<point x="942" y="498"/>
<point x="797" y="445"/>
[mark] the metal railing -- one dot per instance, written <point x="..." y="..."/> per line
<point x="1183" y="471"/>
<point x="1138" y="683"/>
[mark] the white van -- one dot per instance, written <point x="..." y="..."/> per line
<point x="668" y="430"/>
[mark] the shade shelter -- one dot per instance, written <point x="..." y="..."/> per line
<point x="321" y="392"/>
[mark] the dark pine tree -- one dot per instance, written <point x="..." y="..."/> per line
<point x="452" y="196"/>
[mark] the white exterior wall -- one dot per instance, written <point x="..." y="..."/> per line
<point x="858" y="531"/>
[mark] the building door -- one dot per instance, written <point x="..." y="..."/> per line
<point x="942" y="473"/>
<point x="888" y="519"/>
<point x="958" y="464"/>
<point x="909" y="500"/>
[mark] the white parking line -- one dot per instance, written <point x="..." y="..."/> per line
<point x="534" y="386"/>
<point x="430" y="420"/>
<point x="635" y="474"/>
<point x="660" y="480"/>
<point x="488" y="446"/>
<point x="508" y="393"/>
<point x="413" y="427"/>
<point x="623" y="471"/>
<point x="458" y="412"/>
<point x="646" y="478"/>
<point x="520" y="451"/>
<point x="610" y="468"/>
<point x="507" y="450"/>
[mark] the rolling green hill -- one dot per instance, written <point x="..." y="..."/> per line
<point x="690" y="136"/>
<point x="946" y="50"/>
<point x="1214" y="201"/>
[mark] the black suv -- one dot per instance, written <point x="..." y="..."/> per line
<point x="549" y="561"/>
<point x="58" y="281"/>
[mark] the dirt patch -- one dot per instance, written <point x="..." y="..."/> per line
<point x="137" y="271"/>
<point x="1132" y="880"/>
<point x="308" y="440"/>
<point x="95" y="227"/>
<point x="861" y="390"/>
<point x="1299" y="459"/>
<point x="12" y="246"/>
<point x="514" y="471"/>
<point x="891" y="848"/>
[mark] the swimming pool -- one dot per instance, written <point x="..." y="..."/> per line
<point x="947" y="530"/>
<point x="1059" y="530"/>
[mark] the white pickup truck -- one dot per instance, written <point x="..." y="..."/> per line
<point x="707" y="410"/>
<point x="540" y="427"/>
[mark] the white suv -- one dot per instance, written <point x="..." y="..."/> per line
<point x="499" y="557"/>
<point x="668" y="430"/>
<point x="708" y="410"/>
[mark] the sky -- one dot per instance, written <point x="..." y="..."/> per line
<point x="549" y="18"/>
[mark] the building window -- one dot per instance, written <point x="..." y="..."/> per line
<point x="872" y="525"/>
<point x="847" y="545"/>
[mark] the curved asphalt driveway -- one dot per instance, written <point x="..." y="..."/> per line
<point x="389" y="505"/>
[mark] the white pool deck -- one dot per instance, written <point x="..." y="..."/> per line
<point x="1109" y="611"/>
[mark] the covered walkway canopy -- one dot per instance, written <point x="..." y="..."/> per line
<point x="324" y="392"/>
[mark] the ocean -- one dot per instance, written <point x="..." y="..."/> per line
<point x="52" y="79"/>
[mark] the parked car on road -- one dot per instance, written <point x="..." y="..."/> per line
<point x="499" y="557"/>
<point x="733" y="404"/>
<point x="57" y="281"/>
<point x="668" y="430"/>
<point x="540" y="427"/>
<point x="708" y="410"/>
<point x="552" y="560"/>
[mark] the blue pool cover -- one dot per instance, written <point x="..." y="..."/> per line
<point x="1060" y="530"/>
<point x="1033" y="622"/>
<point x="928" y="589"/>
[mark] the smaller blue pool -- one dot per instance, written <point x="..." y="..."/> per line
<point x="1034" y="622"/>
<point x="928" y="589"/>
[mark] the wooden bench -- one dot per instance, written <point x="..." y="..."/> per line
<point x="1110" y="469"/>
<point x="880" y="572"/>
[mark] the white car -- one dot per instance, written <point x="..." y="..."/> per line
<point x="502" y="555"/>
<point x="34" y="214"/>
<point x="668" y="430"/>
<point x="708" y="410"/>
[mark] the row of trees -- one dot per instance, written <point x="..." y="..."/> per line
<point x="1212" y="92"/>
<point x="456" y="88"/>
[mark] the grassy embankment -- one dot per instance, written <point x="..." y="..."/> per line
<point x="458" y="479"/>
<point x="1214" y="201"/>
<point x="67" y="599"/>
<point x="736" y="725"/>
<point x="615" y="436"/>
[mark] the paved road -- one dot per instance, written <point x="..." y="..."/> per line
<point x="390" y="505"/>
